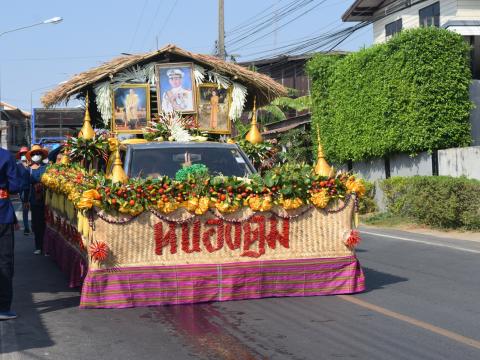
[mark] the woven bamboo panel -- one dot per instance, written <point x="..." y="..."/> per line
<point x="313" y="234"/>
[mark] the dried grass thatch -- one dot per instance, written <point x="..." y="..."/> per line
<point x="262" y="86"/>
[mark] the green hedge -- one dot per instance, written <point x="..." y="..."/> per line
<point x="439" y="201"/>
<point x="408" y="95"/>
<point x="367" y="204"/>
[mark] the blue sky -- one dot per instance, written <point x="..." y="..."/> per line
<point x="35" y="59"/>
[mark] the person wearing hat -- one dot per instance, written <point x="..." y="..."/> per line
<point x="177" y="98"/>
<point x="36" y="155"/>
<point x="23" y="169"/>
<point x="10" y="183"/>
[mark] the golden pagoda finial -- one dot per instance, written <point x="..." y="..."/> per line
<point x="322" y="168"/>
<point x="86" y="132"/>
<point x="118" y="174"/>
<point x="253" y="134"/>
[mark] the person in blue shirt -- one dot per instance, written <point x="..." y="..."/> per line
<point x="36" y="155"/>
<point x="10" y="183"/>
<point x="23" y="168"/>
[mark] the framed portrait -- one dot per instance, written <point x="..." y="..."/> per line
<point x="213" y="109"/>
<point x="175" y="87"/>
<point x="131" y="108"/>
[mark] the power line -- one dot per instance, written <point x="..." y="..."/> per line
<point x="152" y="22"/>
<point x="168" y="17"/>
<point x="290" y="43"/>
<point x="249" y="21"/>
<point x="255" y="28"/>
<point x="283" y="25"/>
<point x="138" y="25"/>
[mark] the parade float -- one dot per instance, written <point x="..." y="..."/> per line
<point x="197" y="236"/>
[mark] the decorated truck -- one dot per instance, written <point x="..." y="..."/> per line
<point x="146" y="222"/>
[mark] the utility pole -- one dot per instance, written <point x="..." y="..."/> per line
<point x="221" y="30"/>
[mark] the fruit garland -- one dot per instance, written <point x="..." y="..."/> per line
<point x="290" y="187"/>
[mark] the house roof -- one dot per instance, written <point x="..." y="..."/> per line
<point x="7" y="106"/>
<point x="362" y="10"/>
<point x="463" y="27"/>
<point x="262" y="86"/>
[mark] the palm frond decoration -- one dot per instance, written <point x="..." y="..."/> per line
<point x="198" y="74"/>
<point x="103" y="99"/>
<point x="239" y="96"/>
<point x="221" y="80"/>
<point x="150" y="72"/>
<point x="136" y="74"/>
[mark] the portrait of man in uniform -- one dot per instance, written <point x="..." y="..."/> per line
<point x="175" y="91"/>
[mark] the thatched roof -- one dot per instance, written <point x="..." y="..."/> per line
<point x="262" y="86"/>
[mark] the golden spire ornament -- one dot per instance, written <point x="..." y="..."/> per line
<point x="253" y="136"/>
<point x="86" y="132"/>
<point x="322" y="168"/>
<point x="118" y="174"/>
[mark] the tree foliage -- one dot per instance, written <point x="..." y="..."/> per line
<point x="410" y="94"/>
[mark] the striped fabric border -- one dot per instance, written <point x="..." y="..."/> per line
<point x="67" y="257"/>
<point x="162" y="285"/>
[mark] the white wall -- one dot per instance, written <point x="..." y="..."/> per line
<point x="410" y="18"/>
<point x="460" y="162"/>
<point x="475" y="113"/>
<point x="468" y="9"/>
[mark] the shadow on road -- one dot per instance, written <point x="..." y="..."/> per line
<point x="39" y="288"/>
<point x="378" y="280"/>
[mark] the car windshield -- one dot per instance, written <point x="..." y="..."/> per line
<point x="167" y="161"/>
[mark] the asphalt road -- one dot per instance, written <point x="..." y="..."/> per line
<point x="422" y="302"/>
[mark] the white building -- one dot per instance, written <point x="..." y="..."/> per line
<point x="389" y="17"/>
<point x="14" y="127"/>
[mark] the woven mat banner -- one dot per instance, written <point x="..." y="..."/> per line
<point x="150" y="240"/>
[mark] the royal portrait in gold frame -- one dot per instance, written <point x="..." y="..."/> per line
<point x="131" y="108"/>
<point x="213" y="109"/>
<point x="176" y="87"/>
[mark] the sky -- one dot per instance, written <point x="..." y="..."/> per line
<point x="39" y="58"/>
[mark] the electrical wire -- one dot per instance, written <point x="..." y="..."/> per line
<point x="266" y="15"/>
<point x="263" y="13"/>
<point x="283" y="25"/>
<point x="167" y="18"/>
<point x="152" y="22"/>
<point x="138" y="25"/>
<point x="328" y="41"/>
<point x="255" y="29"/>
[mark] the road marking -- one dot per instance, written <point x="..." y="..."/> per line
<point x="421" y="324"/>
<point x="422" y="242"/>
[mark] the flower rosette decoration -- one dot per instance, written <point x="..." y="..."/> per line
<point x="98" y="251"/>
<point x="352" y="239"/>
